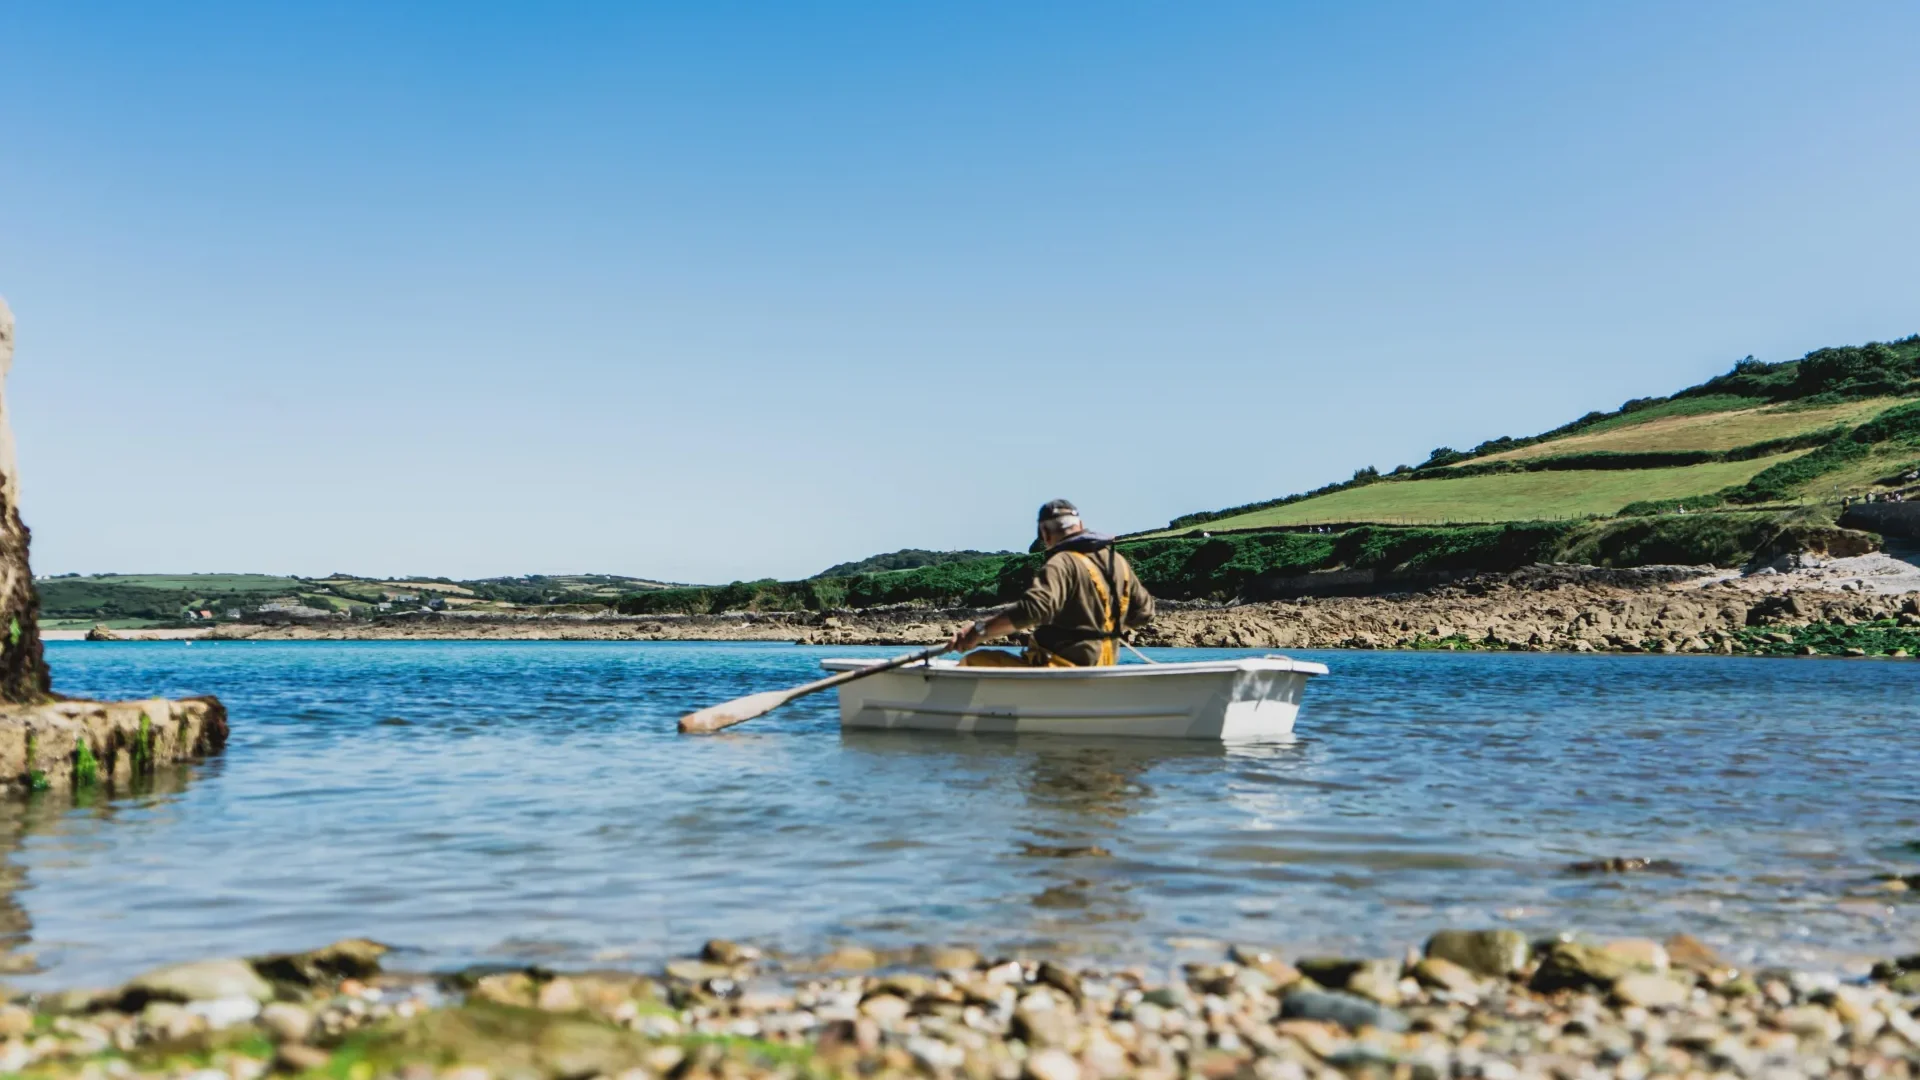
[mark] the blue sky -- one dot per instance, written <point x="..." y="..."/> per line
<point x="715" y="291"/>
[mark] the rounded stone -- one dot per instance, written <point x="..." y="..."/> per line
<point x="1650" y="991"/>
<point x="286" y="1022"/>
<point x="1052" y="1065"/>
<point x="886" y="1008"/>
<point x="203" y="980"/>
<point x="730" y="953"/>
<point x="952" y="958"/>
<point x="1442" y="974"/>
<point x="850" y="958"/>
<point x="1572" y="965"/>
<point x="1493" y="953"/>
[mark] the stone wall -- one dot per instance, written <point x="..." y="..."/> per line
<point x="1887" y="519"/>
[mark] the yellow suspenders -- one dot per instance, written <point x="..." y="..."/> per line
<point x="1113" y="610"/>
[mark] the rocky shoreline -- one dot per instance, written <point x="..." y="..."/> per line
<point x="70" y="744"/>
<point x="1866" y="606"/>
<point x="1469" y="1003"/>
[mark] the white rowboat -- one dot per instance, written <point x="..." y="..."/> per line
<point x="1220" y="700"/>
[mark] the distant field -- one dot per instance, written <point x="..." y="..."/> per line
<point x="1712" y="431"/>
<point x="203" y="583"/>
<point x="1528" y="496"/>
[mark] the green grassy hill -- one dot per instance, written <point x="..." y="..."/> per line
<point x="1516" y="496"/>
<point x="1837" y="422"/>
<point x="1714" y="430"/>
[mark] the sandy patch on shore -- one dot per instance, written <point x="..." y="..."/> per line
<point x="1879" y="573"/>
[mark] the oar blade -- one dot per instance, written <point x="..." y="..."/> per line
<point x="738" y="711"/>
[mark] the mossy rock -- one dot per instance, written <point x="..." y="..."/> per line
<point x="1493" y="953"/>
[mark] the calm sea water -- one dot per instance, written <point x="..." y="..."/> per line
<point x="530" y="802"/>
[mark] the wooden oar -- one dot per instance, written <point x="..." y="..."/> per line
<point x="740" y="710"/>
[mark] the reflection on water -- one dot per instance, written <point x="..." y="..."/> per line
<point x="499" y="801"/>
<point x="52" y="818"/>
<point x="1075" y="794"/>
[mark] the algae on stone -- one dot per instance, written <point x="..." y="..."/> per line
<point x="86" y="767"/>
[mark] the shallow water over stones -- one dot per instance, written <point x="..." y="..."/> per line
<point x="529" y="802"/>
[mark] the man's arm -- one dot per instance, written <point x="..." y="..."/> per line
<point x="985" y="630"/>
<point x="1038" y="605"/>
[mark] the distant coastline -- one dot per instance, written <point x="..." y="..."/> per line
<point x="1860" y="606"/>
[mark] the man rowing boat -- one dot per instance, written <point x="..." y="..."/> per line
<point x="1083" y="598"/>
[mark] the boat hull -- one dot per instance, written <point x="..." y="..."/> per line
<point x="1230" y="700"/>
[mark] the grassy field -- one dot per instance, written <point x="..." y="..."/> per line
<point x="1528" y="496"/>
<point x="1711" y="431"/>
<point x="1886" y="460"/>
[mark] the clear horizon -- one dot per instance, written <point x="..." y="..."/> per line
<point x="717" y="293"/>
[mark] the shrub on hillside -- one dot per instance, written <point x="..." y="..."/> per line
<point x="1783" y="481"/>
<point x="975" y="583"/>
<point x="1752" y="379"/>
<point x="1680" y="539"/>
<point x="1216" y="568"/>
<point x="1459" y="548"/>
<point x="1855" y="371"/>
<point x="1717" y="539"/>
<point x="1848" y="371"/>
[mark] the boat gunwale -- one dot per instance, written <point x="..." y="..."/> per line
<point x="1028" y="712"/>
<point x="952" y="669"/>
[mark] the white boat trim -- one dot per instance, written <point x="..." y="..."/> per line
<point x="1010" y="712"/>
<point x="1251" y="698"/>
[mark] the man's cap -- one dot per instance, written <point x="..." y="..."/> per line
<point x="1058" y="508"/>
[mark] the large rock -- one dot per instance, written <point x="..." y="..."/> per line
<point x="201" y="980"/>
<point x="1375" y="979"/>
<point x="1439" y="973"/>
<point x="40" y="744"/>
<point x="1572" y="965"/>
<point x="23" y="664"/>
<point x="1493" y="953"/>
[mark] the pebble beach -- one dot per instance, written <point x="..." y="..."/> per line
<point x="1467" y="1003"/>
